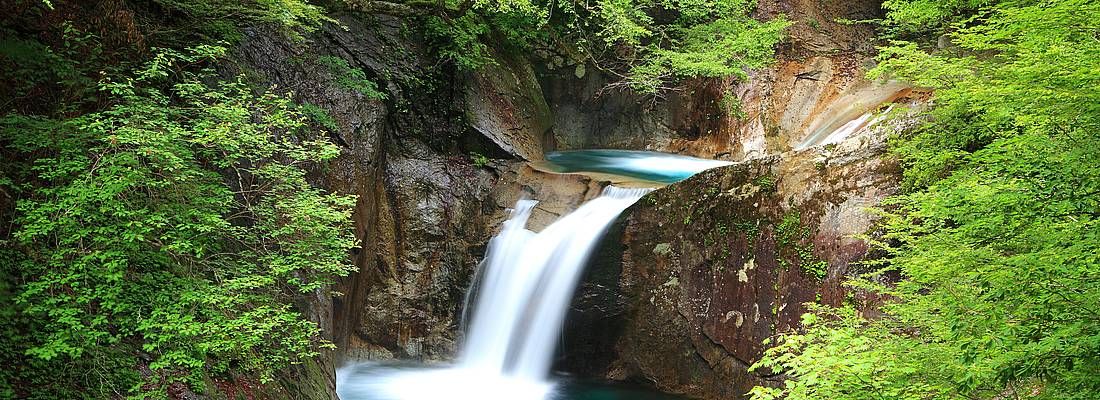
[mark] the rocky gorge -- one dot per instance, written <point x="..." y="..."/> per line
<point x="697" y="275"/>
<point x="548" y="199"/>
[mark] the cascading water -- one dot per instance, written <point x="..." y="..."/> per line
<point x="841" y="133"/>
<point x="524" y="288"/>
<point x="529" y="282"/>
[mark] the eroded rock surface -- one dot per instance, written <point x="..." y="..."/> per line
<point x="696" y="276"/>
<point x="504" y="103"/>
<point x="703" y="272"/>
<point x="710" y="267"/>
<point x="426" y="206"/>
<point x="817" y="84"/>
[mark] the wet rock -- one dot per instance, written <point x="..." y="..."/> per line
<point x="699" y="278"/>
<point x="504" y="103"/>
<point x="587" y="113"/>
<point x="425" y="209"/>
<point x="816" y="85"/>
<point x="425" y="238"/>
<point x="708" y="268"/>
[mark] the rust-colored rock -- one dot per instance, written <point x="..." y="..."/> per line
<point x="710" y="267"/>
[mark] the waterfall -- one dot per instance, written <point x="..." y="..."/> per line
<point x="525" y="286"/>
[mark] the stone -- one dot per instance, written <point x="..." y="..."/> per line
<point x="744" y="266"/>
<point x="504" y="102"/>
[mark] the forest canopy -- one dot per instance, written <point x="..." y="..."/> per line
<point x="649" y="44"/>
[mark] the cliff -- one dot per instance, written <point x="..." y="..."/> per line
<point x="707" y="269"/>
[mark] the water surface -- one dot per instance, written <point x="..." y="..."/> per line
<point x="646" y="166"/>
<point x="523" y="290"/>
<point x="418" y="382"/>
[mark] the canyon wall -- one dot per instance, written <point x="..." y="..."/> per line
<point x="426" y="204"/>
<point x="816" y="85"/>
<point x="697" y="275"/>
<point x="684" y="314"/>
<point x="703" y="271"/>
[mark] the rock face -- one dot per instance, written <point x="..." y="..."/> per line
<point x="694" y="278"/>
<point x="426" y="208"/>
<point x="705" y="269"/>
<point x="710" y="267"/>
<point x="504" y="103"/>
<point x="816" y="85"/>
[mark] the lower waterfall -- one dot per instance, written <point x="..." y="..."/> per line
<point x="528" y="282"/>
<point x="523" y="292"/>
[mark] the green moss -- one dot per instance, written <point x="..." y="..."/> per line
<point x="351" y="78"/>
<point x="319" y="116"/>
<point x="767" y="183"/>
<point x="814" y="23"/>
<point x="731" y="105"/>
<point x="479" y="160"/>
<point x="794" y="241"/>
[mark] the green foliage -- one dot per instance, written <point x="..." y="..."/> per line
<point x="460" y="40"/>
<point x="479" y="160"/>
<point x="710" y="39"/>
<point x="221" y="20"/>
<point x="652" y="43"/>
<point x="997" y="234"/>
<point x="767" y="184"/>
<point x="54" y="54"/>
<point x="924" y="16"/>
<point x="795" y="241"/>
<point x="318" y="115"/>
<point x="465" y="32"/>
<point x="351" y="78"/>
<point x="731" y="105"/>
<point x="63" y="76"/>
<point x="176" y="225"/>
<point x="814" y="23"/>
<point x="158" y="225"/>
<point x="842" y="356"/>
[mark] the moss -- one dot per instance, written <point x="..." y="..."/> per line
<point x="731" y="105"/>
<point x="350" y="78"/>
<point x="662" y="249"/>
<point x="814" y="23"/>
<point x="478" y="160"/>
<point x="319" y="116"/>
<point x="767" y="183"/>
<point x="794" y="241"/>
<point x="751" y="229"/>
<point x="305" y="381"/>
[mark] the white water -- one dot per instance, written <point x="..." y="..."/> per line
<point x="528" y="283"/>
<point x="838" y="135"/>
<point x="524" y="289"/>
